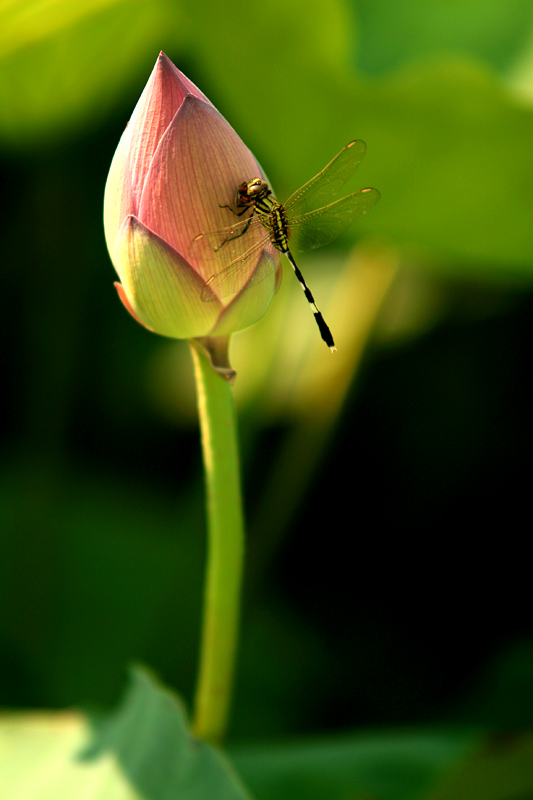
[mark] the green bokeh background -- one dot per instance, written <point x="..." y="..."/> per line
<point x="391" y="586"/>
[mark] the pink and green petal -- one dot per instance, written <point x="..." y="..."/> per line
<point x="197" y="167"/>
<point x="253" y="301"/>
<point x="118" y="200"/>
<point x="161" y="99"/>
<point x="162" y="289"/>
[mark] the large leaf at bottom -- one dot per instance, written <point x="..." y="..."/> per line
<point x="144" y="750"/>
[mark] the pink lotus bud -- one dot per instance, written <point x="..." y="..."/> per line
<point x="177" y="163"/>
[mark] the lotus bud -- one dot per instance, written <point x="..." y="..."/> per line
<point x="175" y="175"/>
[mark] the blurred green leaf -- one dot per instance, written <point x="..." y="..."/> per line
<point x="454" y="166"/>
<point x="449" y="145"/>
<point x="64" y="63"/>
<point x="24" y="22"/>
<point x="381" y="765"/>
<point x="392" y="34"/>
<point x="144" y="750"/>
<point x="501" y="770"/>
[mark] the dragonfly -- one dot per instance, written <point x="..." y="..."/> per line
<point x="309" y="219"/>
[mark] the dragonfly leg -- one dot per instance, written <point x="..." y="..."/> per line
<point x="237" y="235"/>
<point x="320" y="321"/>
<point x="237" y="213"/>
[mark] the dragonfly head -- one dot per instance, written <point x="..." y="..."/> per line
<point x="249" y="193"/>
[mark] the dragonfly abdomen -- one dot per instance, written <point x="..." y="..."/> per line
<point x="273" y="217"/>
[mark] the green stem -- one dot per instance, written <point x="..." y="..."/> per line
<point x="225" y="549"/>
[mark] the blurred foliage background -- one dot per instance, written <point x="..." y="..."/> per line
<point x="388" y="487"/>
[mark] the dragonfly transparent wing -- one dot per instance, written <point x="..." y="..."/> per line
<point x="324" y="187"/>
<point x="225" y="244"/>
<point x="319" y="228"/>
<point x="238" y="273"/>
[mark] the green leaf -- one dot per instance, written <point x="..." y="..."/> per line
<point x="144" y="750"/>
<point x="449" y="143"/>
<point x="381" y="765"/>
<point x="25" y="22"/>
<point x="392" y="34"/>
<point x="454" y="165"/>
<point x="501" y="770"/>
<point x="64" y="64"/>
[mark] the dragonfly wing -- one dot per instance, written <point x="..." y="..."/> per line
<point x="224" y="244"/>
<point x="322" y="226"/>
<point x="328" y="183"/>
<point x="246" y="270"/>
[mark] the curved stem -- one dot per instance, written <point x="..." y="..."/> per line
<point x="225" y="549"/>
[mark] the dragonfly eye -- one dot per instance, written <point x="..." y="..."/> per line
<point x="257" y="186"/>
<point x="257" y="189"/>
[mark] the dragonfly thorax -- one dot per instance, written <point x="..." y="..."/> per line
<point x="257" y="195"/>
